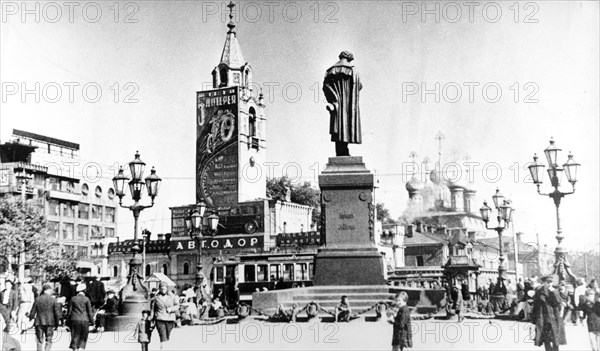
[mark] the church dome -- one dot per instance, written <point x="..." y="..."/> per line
<point x="414" y="184"/>
<point x="436" y="176"/>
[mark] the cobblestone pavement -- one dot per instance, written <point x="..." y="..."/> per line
<point x="357" y="335"/>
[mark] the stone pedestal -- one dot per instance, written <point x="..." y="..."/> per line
<point x="349" y="256"/>
<point x="133" y="297"/>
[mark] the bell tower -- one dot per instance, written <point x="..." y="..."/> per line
<point x="231" y="132"/>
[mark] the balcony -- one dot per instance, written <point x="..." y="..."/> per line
<point x="19" y="166"/>
<point x="63" y="195"/>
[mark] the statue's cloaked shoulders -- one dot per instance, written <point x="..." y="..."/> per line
<point x="341" y="68"/>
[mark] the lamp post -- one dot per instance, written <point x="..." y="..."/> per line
<point x="198" y="226"/>
<point x="134" y="295"/>
<point x="504" y="215"/>
<point x="22" y="178"/>
<point x="561" y="266"/>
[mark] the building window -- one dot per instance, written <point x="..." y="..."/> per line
<point x="311" y="269"/>
<point x="53" y="207"/>
<point x="54" y="184"/>
<point x="115" y="271"/>
<point x="148" y="272"/>
<point x="186" y="268"/>
<point x="97" y="212"/>
<point x="82" y="232"/>
<point x="165" y="269"/>
<point x="70" y="187"/>
<point x="111" y="193"/>
<point x="288" y="271"/>
<point x="98" y="191"/>
<point x="221" y="274"/>
<point x="53" y="230"/>
<point x="110" y="214"/>
<point x="110" y="232"/>
<point x="85" y="189"/>
<point x="249" y="273"/>
<point x="419" y="261"/>
<point x="68" y="229"/>
<point x="68" y="210"/>
<point x="84" y="211"/>
<point x="82" y="251"/>
<point x="96" y="231"/>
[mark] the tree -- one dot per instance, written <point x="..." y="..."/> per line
<point x="23" y="229"/>
<point x="303" y="194"/>
<point x="383" y="214"/>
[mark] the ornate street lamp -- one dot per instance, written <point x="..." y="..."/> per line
<point x="561" y="266"/>
<point x="134" y="295"/>
<point x="136" y="188"/>
<point x="504" y="216"/>
<point x="198" y="226"/>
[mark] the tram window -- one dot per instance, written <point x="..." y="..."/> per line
<point x="249" y="273"/>
<point x="311" y="269"/>
<point x="261" y="273"/>
<point x="220" y="274"/>
<point x="274" y="272"/>
<point x="288" y="271"/>
<point x="301" y="271"/>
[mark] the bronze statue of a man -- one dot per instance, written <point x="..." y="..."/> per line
<point x="341" y="87"/>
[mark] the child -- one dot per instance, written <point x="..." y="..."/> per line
<point x="144" y="330"/>
<point x="591" y="309"/>
<point x="402" y="336"/>
<point x="343" y="310"/>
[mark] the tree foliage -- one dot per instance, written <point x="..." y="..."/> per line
<point x="383" y="214"/>
<point x="302" y="193"/>
<point x="23" y="229"/>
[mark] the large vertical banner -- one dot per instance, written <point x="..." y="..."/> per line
<point x="217" y="147"/>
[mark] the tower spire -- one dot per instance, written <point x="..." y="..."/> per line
<point x="231" y="24"/>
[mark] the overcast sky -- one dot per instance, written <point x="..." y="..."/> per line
<point x="509" y="76"/>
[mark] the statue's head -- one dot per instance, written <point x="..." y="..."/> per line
<point x="346" y="55"/>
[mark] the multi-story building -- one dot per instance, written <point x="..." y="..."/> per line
<point x="77" y="196"/>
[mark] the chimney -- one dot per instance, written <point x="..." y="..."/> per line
<point x="168" y="238"/>
<point x="160" y="237"/>
<point x="409" y="230"/>
<point x="519" y="237"/>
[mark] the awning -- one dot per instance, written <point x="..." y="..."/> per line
<point x="159" y="278"/>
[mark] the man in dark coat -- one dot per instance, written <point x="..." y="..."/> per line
<point x="549" y="326"/>
<point x="96" y="293"/>
<point x="46" y="315"/>
<point x="9" y="298"/>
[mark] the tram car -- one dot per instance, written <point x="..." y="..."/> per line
<point x="260" y="272"/>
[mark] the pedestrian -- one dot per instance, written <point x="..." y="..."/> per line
<point x="591" y="308"/>
<point x="26" y="298"/>
<point x="491" y="288"/>
<point x="457" y="301"/>
<point x="402" y="335"/>
<point x="164" y="308"/>
<point x="520" y="289"/>
<point x="144" y="330"/>
<point x="594" y="286"/>
<point x="464" y="290"/>
<point x="9" y="298"/>
<point x="96" y="293"/>
<point x="80" y="317"/>
<point x="342" y="311"/>
<point x="549" y="326"/>
<point x="45" y="315"/>
<point x="578" y="297"/>
<point x="110" y="309"/>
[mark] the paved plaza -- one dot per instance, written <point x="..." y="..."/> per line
<point x="358" y="335"/>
